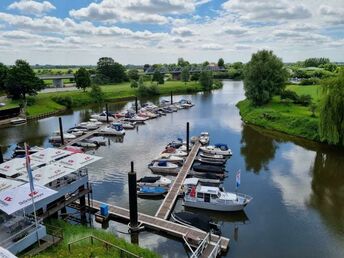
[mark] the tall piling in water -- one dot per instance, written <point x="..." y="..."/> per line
<point x="107" y="112"/>
<point x="187" y="136"/>
<point x="136" y="107"/>
<point x="171" y="97"/>
<point x="133" y="225"/>
<point x="61" y="131"/>
<point x="1" y="156"/>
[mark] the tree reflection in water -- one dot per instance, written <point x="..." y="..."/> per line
<point x="328" y="189"/>
<point x="257" y="149"/>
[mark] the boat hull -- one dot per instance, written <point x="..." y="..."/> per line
<point x="214" y="206"/>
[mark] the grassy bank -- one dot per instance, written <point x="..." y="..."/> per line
<point x="44" y="102"/>
<point x="85" y="249"/>
<point x="289" y="118"/>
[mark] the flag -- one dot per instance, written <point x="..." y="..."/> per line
<point x="238" y="179"/>
<point x="28" y="167"/>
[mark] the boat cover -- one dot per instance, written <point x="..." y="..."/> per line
<point x="162" y="163"/>
<point x="197" y="220"/>
<point x="152" y="189"/>
<point x="149" y="179"/>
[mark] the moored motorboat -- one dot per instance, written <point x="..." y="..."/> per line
<point x="194" y="220"/>
<point x="85" y="144"/>
<point x="163" y="167"/>
<point x="56" y="136"/>
<point x="212" y="156"/>
<point x="154" y="181"/>
<point x="129" y="125"/>
<point x="170" y="158"/>
<point x="214" y="198"/>
<point x="204" y="138"/>
<point x="113" y="129"/>
<point x="18" y="121"/>
<point x="89" y="125"/>
<point x="211" y="161"/>
<point x="208" y="168"/>
<point x="151" y="191"/>
<point x="218" y="149"/>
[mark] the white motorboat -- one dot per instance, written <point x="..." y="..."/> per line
<point x="93" y="120"/>
<point x="204" y="138"/>
<point x="18" y="121"/>
<point x="163" y="167"/>
<point x="76" y="132"/>
<point x="113" y="129"/>
<point x="56" y="136"/>
<point x="211" y="156"/>
<point x="129" y="125"/>
<point x="217" y="149"/>
<point x="102" y="117"/>
<point x="213" y="197"/>
<point x="84" y="144"/>
<point x="170" y="158"/>
<point x="136" y="118"/>
<point x="89" y="125"/>
<point x="154" y="181"/>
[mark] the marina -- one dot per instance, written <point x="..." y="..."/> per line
<point x="262" y="175"/>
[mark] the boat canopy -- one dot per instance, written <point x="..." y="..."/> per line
<point x="78" y="160"/>
<point x="204" y="133"/>
<point x="17" y="165"/>
<point x="50" y="154"/>
<point x="47" y="174"/>
<point x="6" y="184"/>
<point x="208" y="190"/>
<point x="191" y="181"/>
<point x="162" y="163"/>
<point x="221" y="146"/>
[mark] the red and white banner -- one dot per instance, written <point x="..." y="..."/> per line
<point x="15" y="199"/>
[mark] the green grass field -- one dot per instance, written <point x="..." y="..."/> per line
<point x="285" y="117"/>
<point x="85" y="249"/>
<point x="45" y="104"/>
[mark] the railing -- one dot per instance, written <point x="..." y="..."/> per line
<point x="216" y="249"/>
<point x="197" y="253"/>
<point x="55" y="232"/>
<point x="107" y="245"/>
<point x="68" y="179"/>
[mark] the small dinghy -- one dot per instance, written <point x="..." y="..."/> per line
<point x="85" y="144"/>
<point x="129" y="125"/>
<point x="208" y="168"/>
<point x="194" y="220"/>
<point x="163" y="167"/>
<point x="170" y="158"/>
<point x="211" y="161"/>
<point x="18" y="121"/>
<point x="147" y="191"/>
<point x="207" y="175"/>
<point x="154" y="181"/>
<point x="96" y="140"/>
<point x="217" y="149"/>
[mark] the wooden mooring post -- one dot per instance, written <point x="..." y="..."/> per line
<point x="133" y="225"/>
<point x="61" y="131"/>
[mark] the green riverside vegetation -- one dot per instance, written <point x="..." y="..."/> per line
<point x="293" y="119"/>
<point x="85" y="249"/>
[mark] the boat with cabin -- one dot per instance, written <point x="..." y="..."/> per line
<point x="163" y="167"/>
<point x="151" y="191"/>
<point x="217" y="149"/>
<point x="113" y="129"/>
<point x="154" y="181"/>
<point x="56" y="136"/>
<point x="204" y="138"/>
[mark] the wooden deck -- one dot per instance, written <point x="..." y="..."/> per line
<point x="166" y="226"/>
<point x="167" y="205"/>
<point x="84" y="136"/>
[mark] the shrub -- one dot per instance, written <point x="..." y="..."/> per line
<point x="146" y="91"/>
<point x="217" y="84"/>
<point x="66" y="101"/>
<point x="30" y="101"/>
<point x="96" y="94"/>
<point x="288" y="94"/>
<point x="134" y="84"/>
<point x="310" y="81"/>
<point x="304" y="100"/>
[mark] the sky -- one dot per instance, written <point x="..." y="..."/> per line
<point x="159" y="31"/>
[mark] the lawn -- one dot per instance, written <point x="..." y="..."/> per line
<point x="85" y="249"/>
<point x="285" y="117"/>
<point x="44" y="102"/>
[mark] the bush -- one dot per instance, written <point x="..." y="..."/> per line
<point x="64" y="101"/>
<point x="96" y="94"/>
<point x="147" y="91"/>
<point x="195" y="76"/>
<point x="310" y="81"/>
<point x="217" y="84"/>
<point x="304" y="100"/>
<point x="288" y="94"/>
<point x="30" y="101"/>
<point x="134" y="84"/>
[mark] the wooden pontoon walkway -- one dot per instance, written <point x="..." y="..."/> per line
<point x="166" y="226"/>
<point x="84" y="136"/>
<point x="167" y="205"/>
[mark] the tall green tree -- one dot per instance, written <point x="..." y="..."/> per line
<point x="21" y="81"/>
<point x="133" y="74"/>
<point x="331" y="125"/>
<point x="264" y="77"/>
<point x="185" y="74"/>
<point x="158" y="77"/>
<point x="206" y="80"/>
<point x="182" y="63"/>
<point x="3" y="75"/>
<point x="82" y="78"/>
<point x="221" y="62"/>
<point x="110" y="71"/>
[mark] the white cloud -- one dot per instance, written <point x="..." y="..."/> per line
<point x="15" y="34"/>
<point x="211" y="46"/>
<point x="32" y="7"/>
<point x="235" y="30"/>
<point x="332" y="15"/>
<point x="182" y="31"/>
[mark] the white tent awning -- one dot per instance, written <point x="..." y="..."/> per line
<point x="6" y="184"/>
<point x="78" y="160"/>
<point x="15" y="199"/>
<point x="47" y="174"/>
<point x="50" y="154"/>
<point x="17" y="165"/>
<point x="4" y="253"/>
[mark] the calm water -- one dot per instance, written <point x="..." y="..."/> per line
<point x="298" y="187"/>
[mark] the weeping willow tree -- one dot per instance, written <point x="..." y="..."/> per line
<point x="331" y="127"/>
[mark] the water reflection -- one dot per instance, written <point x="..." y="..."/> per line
<point x="257" y="149"/>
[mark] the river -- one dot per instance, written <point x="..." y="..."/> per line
<point x="297" y="186"/>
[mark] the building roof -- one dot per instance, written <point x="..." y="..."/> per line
<point x="50" y="154"/>
<point x="78" y="160"/>
<point x="6" y="184"/>
<point x="17" y="165"/>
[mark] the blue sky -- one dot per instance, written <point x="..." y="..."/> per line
<point x="160" y="31"/>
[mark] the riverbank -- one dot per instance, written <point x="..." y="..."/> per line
<point x="85" y="249"/>
<point x="289" y="118"/>
<point x="46" y="102"/>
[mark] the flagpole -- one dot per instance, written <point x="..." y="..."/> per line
<point x="28" y="168"/>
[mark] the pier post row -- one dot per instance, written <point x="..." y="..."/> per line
<point x="61" y="131"/>
<point x="133" y="225"/>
